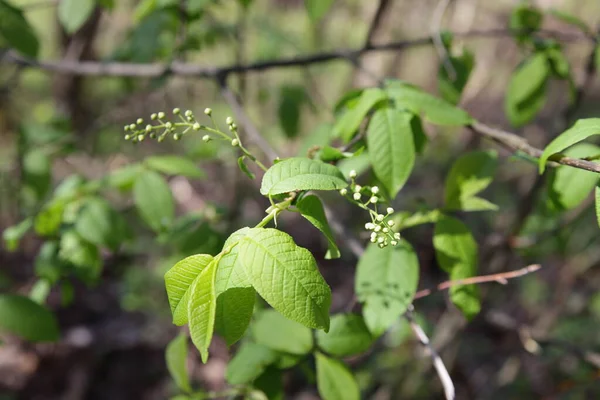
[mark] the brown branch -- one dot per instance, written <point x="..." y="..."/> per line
<point x="98" y="68"/>
<point x="375" y="23"/>
<point x="501" y="278"/>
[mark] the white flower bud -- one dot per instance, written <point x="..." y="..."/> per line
<point x="356" y="196"/>
<point x="169" y="125"/>
<point x="373" y="199"/>
<point x="161" y="115"/>
<point x="189" y="113"/>
<point x="397" y="236"/>
<point x="385" y="230"/>
<point x="139" y="121"/>
<point x="229" y="121"/>
<point x="233" y="126"/>
<point x="153" y="116"/>
<point x="390" y="210"/>
<point x="140" y="138"/>
<point x="373" y="239"/>
<point x="235" y="142"/>
<point x="390" y="223"/>
<point x="374" y="190"/>
<point x="127" y="137"/>
<point x="380" y="217"/>
<point x="373" y="235"/>
<point x="148" y="128"/>
<point x="176" y="111"/>
<point x="206" y="138"/>
<point x="132" y="127"/>
<point x="208" y="111"/>
<point x="369" y="226"/>
<point x="357" y="188"/>
<point x="394" y="243"/>
<point x="344" y="191"/>
<point x="196" y="126"/>
<point x="380" y="240"/>
<point x="381" y="245"/>
<point x="352" y="174"/>
<point x="377" y="228"/>
<point x="176" y="136"/>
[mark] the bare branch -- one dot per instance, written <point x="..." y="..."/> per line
<point x="501" y="278"/>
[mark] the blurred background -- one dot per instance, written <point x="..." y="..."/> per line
<point x="536" y="337"/>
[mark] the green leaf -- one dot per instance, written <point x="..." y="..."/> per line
<point x="434" y="109"/>
<point x="202" y="309"/>
<point x="524" y="20"/>
<point x="568" y="187"/>
<point x="360" y="163"/>
<point x="391" y="148"/>
<point x="154" y="200"/>
<point x="456" y="253"/>
<point x="244" y="168"/>
<point x="83" y="255"/>
<point x="175" y="165"/>
<point x="176" y="357"/>
<point x="235" y="294"/>
<point x="570" y="19"/>
<point x="101" y="225"/>
<point x="270" y="383"/>
<point x="582" y="129"/>
<point x="597" y="200"/>
<point x="40" y="290"/>
<point x="286" y="276"/>
<point x="311" y="208"/>
<point x="529" y="77"/>
<point x="350" y="121"/>
<point x="13" y="234"/>
<point x="317" y="138"/>
<point x="249" y="362"/>
<point x="27" y="319"/>
<point x="72" y="14"/>
<point x="347" y="336"/>
<point x="559" y="64"/>
<point x="469" y="175"/>
<point x="405" y="220"/>
<point x="292" y="97"/>
<point x="299" y="173"/>
<point x="317" y="8"/>
<point x="49" y="219"/>
<point x="334" y="380"/>
<point x="451" y="88"/>
<point x="179" y="281"/>
<point x="276" y="332"/>
<point x="36" y="172"/>
<point x="16" y="31"/>
<point x="386" y="281"/>
<point x="124" y="178"/>
<point x="522" y="113"/>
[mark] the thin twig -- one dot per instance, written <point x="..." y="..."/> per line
<point x="438" y="364"/>
<point x="375" y="23"/>
<point x="501" y="278"/>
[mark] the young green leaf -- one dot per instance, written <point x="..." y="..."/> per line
<point x="311" y="208"/>
<point x="391" y="147"/>
<point x="178" y="282"/>
<point x="175" y="165"/>
<point x="49" y="219"/>
<point x="456" y="253"/>
<point x="235" y="294"/>
<point x="469" y="175"/>
<point x="72" y="14"/>
<point x="570" y="19"/>
<point x="83" y="255"/>
<point x="292" y="97"/>
<point x="350" y="121"/>
<point x="202" y="309"/>
<point x="386" y="281"/>
<point x="347" y="336"/>
<point x="27" y="319"/>
<point x="40" y="290"/>
<point x="286" y="276"/>
<point x="528" y="78"/>
<point x="524" y="20"/>
<point x="359" y="163"/>
<point x="405" y="220"/>
<point x="36" y="172"/>
<point x="249" y="362"/>
<point x="124" y="178"/>
<point x="317" y="8"/>
<point x="176" y="357"/>
<point x="451" y="88"/>
<point x="435" y="110"/>
<point x="521" y="113"/>
<point x="154" y="200"/>
<point x="276" y="332"/>
<point x="100" y="224"/>
<point x="582" y="129"/>
<point x="568" y="187"/>
<point x="244" y="168"/>
<point x="13" y="234"/>
<point x="16" y="31"/>
<point x="334" y="380"/>
<point x="559" y="64"/>
<point x="299" y="173"/>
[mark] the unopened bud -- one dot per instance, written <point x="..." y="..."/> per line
<point x="235" y="142"/>
<point x="397" y="236"/>
<point x="176" y="111"/>
<point x="352" y="174"/>
<point x="394" y="243"/>
<point x="132" y="127"/>
<point x="380" y="217"/>
<point x="139" y="121"/>
<point x="148" y="128"/>
<point x="140" y="138"/>
<point x="344" y="191"/>
<point x="161" y="115"/>
<point x="356" y="196"/>
<point x="373" y="199"/>
<point x="189" y="113"/>
<point x="196" y="126"/>
<point x="208" y="111"/>
<point x="206" y="138"/>
<point x="153" y="116"/>
<point x="390" y="223"/>
<point x="374" y="190"/>
<point x="390" y="210"/>
<point x="229" y="121"/>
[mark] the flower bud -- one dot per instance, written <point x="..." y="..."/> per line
<point x="390" y="223"/>
<point x="356" y="196"/>
<point x="152" y="135"/>
<point x="380" y="217"/>
<point x="381" y="245"/>
<point x="127" y="137"/>
<point x="397" y="236"/>
<point x="126" y="128"/>
<point x="196" y="126"/>
<point x="233" y="126"/>
<point x="229" y="121"/>
<point x="377" y="228"/>
<point x="208" y="111"/>
<point x="374" y="190"/>
<point x="380" y="240"/>
<point x="352" y="174"/>
<point x="139" y="121"/>
<point x="169" y="125"/>
<point x="394" y="243"/>
<point x="373" y="199"/>
<point x="373" y="239"/>
<point x="161" y="115"/>
<point x="235" y="142"/>
<point x="385" y="230"/>
<point x="206" y="138"/>
<point x="189" y="113"/>
<point x="373" y="235"/>
<point x="132" y="127"/>
<point x="140" y="138"/>
<point x="357" y="188"/>
<point x="390" y="210"/>
<point x="344" y="191"/>
<point x="176" y="136"/>
<point x="153" y="116"/>
<point x="148" y="128"/>
<point x="176" y="111"/>
<point x="369" y="226"/>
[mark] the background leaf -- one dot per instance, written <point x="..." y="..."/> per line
<point x="291" y="99"/>
<point x="317" y="8"/>
<point x="391" y="148"/>
<point x="312" y="209"/>
<point x="470" y="175"/>
<point x="154" y="200"/>
<point x="451" y="88"/>
<point x="348" y="335"/>
<point x="100" y="224"/>
<point x="299" y="173"/>
<point x="72" y="14"/>
<point x="273" y="330"/>
<point x="286" y="276"/>
<point x="25" y="318"/>
<point x="386" y="281"/>
<point x="16" y="31"/>
<point x="350" y="121"/>
<point x="334" y="380"/>
<point x="176" y="358"/>
<point x="456" y="253"/>
<point x="249" y="362"/>
<point x="175" y="165"/>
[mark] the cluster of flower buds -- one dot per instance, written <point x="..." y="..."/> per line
<point x="160" y="128"/>
<point x="367" y="198"/>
